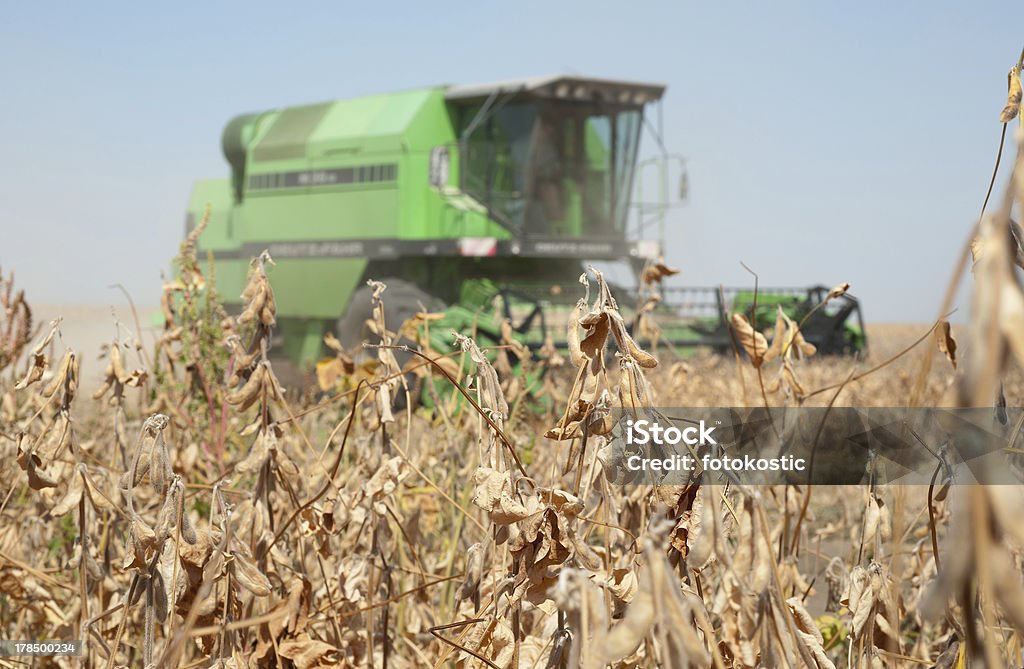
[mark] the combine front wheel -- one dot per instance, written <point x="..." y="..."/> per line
<point x="402" y="300"/>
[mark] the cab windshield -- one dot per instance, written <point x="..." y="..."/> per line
<point x="551" y="168"/>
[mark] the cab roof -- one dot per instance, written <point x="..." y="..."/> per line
<point x="561" y="87"/>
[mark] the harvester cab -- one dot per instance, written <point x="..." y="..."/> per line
<point x="483" y="202"/>
<point x="552" y="158"/>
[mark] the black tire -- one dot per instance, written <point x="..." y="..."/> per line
<point x="402" y="300"/>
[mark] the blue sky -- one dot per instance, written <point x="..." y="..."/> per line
<point x="826" y="141"/>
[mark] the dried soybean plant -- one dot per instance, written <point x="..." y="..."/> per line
<point x="979" y="584"/>
<point x="16" y="325"/>
<point x="48" y="434"/>
<point x="190" y="365"/>
<point x="591" y="397"/>
<point x="390" y="377"/>
<point x="116" y="380"/>
<point x="53" y="464"/>
<point x="549" y="585"/>
<point x="645" y="324"/>
<point x="252" y="377"/>
<point x="457" y="550"/>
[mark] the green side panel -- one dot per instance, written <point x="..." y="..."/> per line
<point x="315" y="287"/>
<point x="327" y="213"/>
<point x="423" y="209"/>
<point x="431" y="126"/>
<point x="459" y="215"/>
<point x="338" y="130"/>
<point x="286" y="136"/>
<point x="369" y="125"/>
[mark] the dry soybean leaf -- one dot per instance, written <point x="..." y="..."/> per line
<point x="1013" y="96"/>
<point x="808" y="633"/>
<point x="778" y="338"/>
<point x="859" y="598"/>
<point x="329" y="372"/>
<point x="655" y="272"/>
<point x="38" y="478"/>
<point x="352" y="578"/>
<point x="474" y="572"/>
<point x="71" y="497"/>
<point x="96" y="496"/>
<point x="622" y="583"/>
<point x="491" y="395"/>
<point x="573" y="334"/>
<point x="384" y="482"/>
<point x="135" y="379"/>
<point x="594" y="343"/>
<point x="308" y="653"/>
<point x="249" y="576"/>
<point x="140" y="546"/>
<point x="788" y="340"/>
<point x="492" y="640"/>
<point x="493" y="494"/>
<point x="40" y="360"/>
<point x="946" y="343"/>
<point x="838" y="291"/>
<point x="628" y="344"/>
<point x="196" y="555"/>
<point x="753" y="342"/>
<point x="34" y="372"/>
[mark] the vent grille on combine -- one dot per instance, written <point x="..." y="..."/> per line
<point x="362" y="174"/>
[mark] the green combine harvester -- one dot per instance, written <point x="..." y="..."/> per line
<point x="483" y="202"/>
